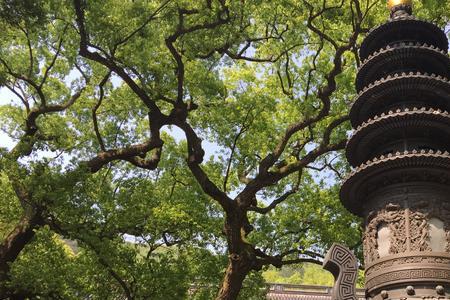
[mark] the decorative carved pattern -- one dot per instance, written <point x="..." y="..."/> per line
<point x="342" y="263"/>
<point x="419" y="232"/>
<point x="381" y="93"/>
<point x="408" y="275"/>
<point x="419" y="156"/>
<point x="366" y="138"/>
<point x="423" y="205"/>
<point x="391" y="58"/>
<point x="370" y="244"/>
<point x="394" y="169"/>
<point x="402" y="261"/>
<point x="423" y="212"/>
<point x="413" y="28"/>
<point x="394" y="217"/>
<point x="396" y="221"/>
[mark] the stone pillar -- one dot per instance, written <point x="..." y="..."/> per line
<point x="400" y="152"/>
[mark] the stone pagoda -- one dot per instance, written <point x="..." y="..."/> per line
<point x="400" y="149"/>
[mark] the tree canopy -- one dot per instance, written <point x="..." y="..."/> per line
<point x="174" y="149"/>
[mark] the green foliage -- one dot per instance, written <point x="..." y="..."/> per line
<point x="17" y="11"/>
<point x="304" y="274"/>
<point x="9" y="207"/>
<point x="247" y="73"/>
<point x="44" y="268"/>
<point x="307" y="274"/>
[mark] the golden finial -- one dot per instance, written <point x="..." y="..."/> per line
<point x="394" y="3"/>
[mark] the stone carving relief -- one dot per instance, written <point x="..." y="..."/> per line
<point x="342" y="263"/>
<point x="419" y="231"/>
<point x="370" y="244"/>
<point x="396" y="221"/>
<point x="422" y="213"/>
<point x="394" y="218"/>
<point x="429" y="233"/>
<point x="405" y="275"/>
<point x="409" y="260"/>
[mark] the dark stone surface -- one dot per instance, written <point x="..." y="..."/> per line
<point x="400" y="151"/>
<point x="407" y="29"/>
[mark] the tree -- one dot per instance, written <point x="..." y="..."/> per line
<point x="308" y="274"/>
<point x="114" y="101"/>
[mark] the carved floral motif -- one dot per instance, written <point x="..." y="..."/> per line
<point x="423" y="211"/>
<point x="395" y="221"/>
<point x="419" y="231"/>
<point x="394" y="216"/>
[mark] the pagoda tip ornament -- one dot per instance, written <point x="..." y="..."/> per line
<point x="400" y="8"/>
<point x="394" y="3"/>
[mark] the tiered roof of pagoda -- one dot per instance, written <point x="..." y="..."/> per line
<point x="400" y="116"/>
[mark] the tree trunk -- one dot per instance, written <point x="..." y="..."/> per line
<point x="241" y="256"/>
<point x="14" y="243"/>
<point x="233" y="279"/>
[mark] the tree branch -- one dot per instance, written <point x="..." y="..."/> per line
<point x="55" y="57"/>
<point x="127" y="153"/>
<point x="195" y="157"/>
<point x="273" y="204"/>
<point x="149" y="19"/>
<point x="108" y="61"/>
<point x="242" y="130"/>
<point x="96" y="107"/>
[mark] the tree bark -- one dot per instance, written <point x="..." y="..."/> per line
<point x="233" y="279"/>
<point x="241" y="255"/>
<point x="14" y="243"/>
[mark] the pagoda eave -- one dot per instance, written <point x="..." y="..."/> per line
<point x="406" y="28"/>
<point x="421" y="90"/>
<point x="403" y="56"/>
<point x="390" y="128"/>
<point x="405" y="167"/>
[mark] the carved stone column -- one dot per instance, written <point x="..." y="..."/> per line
<point x="400" y="151"/>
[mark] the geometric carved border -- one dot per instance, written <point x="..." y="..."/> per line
<point x="418" y="258"/>
<point x="342" y="263"/>
<point x="427" y="274"/>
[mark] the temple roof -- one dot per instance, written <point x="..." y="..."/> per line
<point x="302" y="292"/>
